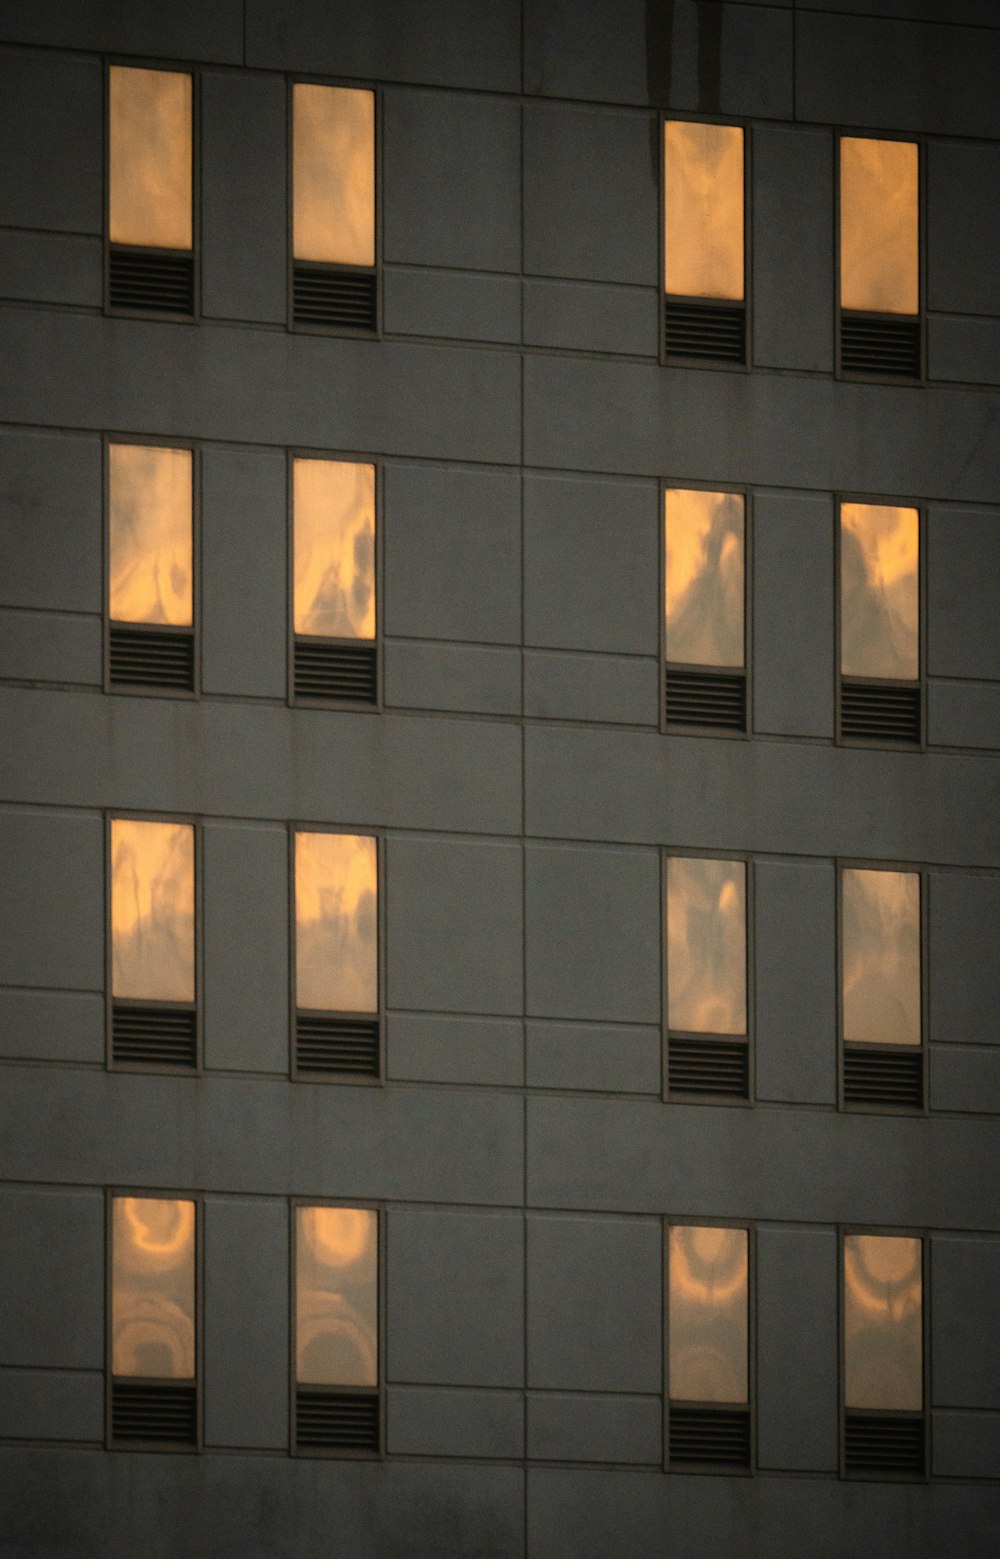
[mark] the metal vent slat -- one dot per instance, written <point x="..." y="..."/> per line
<point x="150" y="657"/>
<point x="336" y="1420"/>
<point x="333" y="1044"/>
<point x="710" y="1437"/>
<point x="880" y="345"/>
<point x="151" y="1412"/>
<point x="706" y="698"/>
<point x="334" y="671"/>
<point x="323" y="295"/>
<point x="708" y="1066"/>
<point x="884" y="1444"/>
<point x="155" y="281"/>
<point x="712" y="333"/>
<point x="154" y="1036"/>
<point x="880" y="711"/>
<point x="890" y="1075"/>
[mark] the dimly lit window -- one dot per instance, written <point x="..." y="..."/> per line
<point x="708" y="1347"/>
<point x="153" y="1332"/>
<point x="336" y="955"/>
<point x="883" y="1355"/>
<point x="333" y="581"/>
<point x="703" y="242"/>
<point x="150" y="182"/>
<point x="333" y="207"/>
<point x="879" y="257"/>
<point x="881" y="988"/>
<point x="880" y="657"/>
<point x="336" y="1339"/>
<point x="704" y="609"/>
<point x="150" y="568"/>
<point x="708" y="1045"/>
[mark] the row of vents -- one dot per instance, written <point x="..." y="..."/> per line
<point x="886" y="1076"/>
<point x="717" y="700"/>
<point x="882" y="346"/>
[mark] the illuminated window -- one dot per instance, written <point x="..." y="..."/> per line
<point x="704" y="609"/>
<point x="336" y="955"/>
<point x="881" y="988"/>
<point x="333" y="581"/>
<point x="152" y="955"/>
<point x="880" y="651"/>
<point x="708" y="1346"/>
<point x="153" y="1331"/>
<point x="150" y="185"/>
<point x="883" y="1341"/>
<point x="879" y="257"/>
<point x="333" y="207"/>
<point x="150" y="568"/>
<point x="335" y="1350"/>
<point x="706" y="928"/>
<point x="703" y="242"/>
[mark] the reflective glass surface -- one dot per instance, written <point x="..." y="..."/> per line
<point x="883" y="1328"/>
<point x="150" y="534"/>
<point x="152" y="910"/>
<point x="879" y="243"/>
<point x="336" y="922"/>
<point x="149" y="162"/>
<point x="152" y="1287"/>
<point x="703" y="209"/>
<point x="704" y="577"/>
<point x="336" y="1296"/>
<point x="708" y="1314"/>
<point x="879" y="591"/>
<point x="333" y="174"/>
<point x="706" y="946"/>
<point x="881" y="956"/>
<point x="334" y="547"/>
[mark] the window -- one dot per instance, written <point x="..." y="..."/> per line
<point x="153" y="1323"/>
<point x="880" y="983"/>
<point x="881" y="652"/>
<point x="336" y="928"/>
<point x="334" y="654"/>
<point x="333" y="281"/>
<point x="704" y="266"/>
<point x="335" y="1345"/>
<point x="150" y="192"/>
<point x="705" y="610"/>
<point x="883" y="1342"/>
<point x="150" y="569"/>
<point x="153" y="964"/>
<point x="708" y="1348"/>
<point x="879" y="275"/>
<point x="706" y="930"/>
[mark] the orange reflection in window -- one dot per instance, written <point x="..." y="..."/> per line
<point x="879" y="242"/>
<point x="708" y="1314"/>
<point x="152" y="910"/>
<point x="334" y="548"/>
<point x="881" y="957"/>
<point x="152" y="1287"/>
<point x="879" y="591"/>
<point x="883" y="1324"/>
<point x="703" y="209"/>
<point x="149" y="164"/>
<point x="336" y="1296"/>
<point x="704" y="577"/>
<point x="150" y="534"/>
<point x="336" y="922"/>
<point x="706" y="946"/>
<point x="333" y="174"/>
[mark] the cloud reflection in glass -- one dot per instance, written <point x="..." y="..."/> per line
<point x="708" y="1307"/>
<point x="883" y="1325"/>
<point x="152" y="910"/>
<point x="152" y="1287"/>
<point x="336" y="922"/>
<point x="706" y="946"/>
<point x="336" y="1296"/>
<point x="704" y="577"/>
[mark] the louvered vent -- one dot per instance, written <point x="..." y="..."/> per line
<point x="327" y="670"/>
<point x="340" y="300"/>
<point x="709" y="1436"/>
<point x="892" y="1076"/>
<point x="153" y="1413"/>
<point x="325" y="1045"/>
<point x="883" y="345"/>
<point x="880" y="712"/>
<point x="336" y="1420"/>
<point x="884" y="1445"/>
<point x="709" y="1066"/>
<point x="153" y="1036"/>
<point x="710" y="699"/>
<point x="152" y="281"/>
<point x="705" y="332"/>
<point x="150" y="657"/>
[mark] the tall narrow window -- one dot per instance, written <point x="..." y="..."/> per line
<point x="879" y="258"/>
<point x="704" y="609"/>
<point x="708" y="1040"/>
<point x="334" y="655"/>
<point x="880" y="652"/>
<point x="333" y="207"/>
<point x="708" y="1352"/>
<point x="884" y="1432"/>
<point x="150" y="191"/>
<point x="336" y="1341"/>
<point x="150" y="568"/>
<point x="152" y="1323"/>
<point x="704" y="270"/>
<point x="881" y="988"/>
<point x="337" y="1025"/>
<point x="153" y="979"/>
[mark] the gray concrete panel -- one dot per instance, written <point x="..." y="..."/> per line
<point x="964" y="714"/>
<point x="246" y="1323"/>
<point x="52" y="900"/>
<point x="51" y="523"/>
<point x="965" y="1348"/>
<point x="961" y="350"/>
<point x="797" y="1350"/>
<point x="244" y="271"/>
<point x="52" y="1026"/>
<point x="588" y="317"/>
<point x="613" y="689"/>
<point x="963" y="585"/>
<point x="795" y="944"/>
<point x="462" y="677"/>
<point x="963" y="208"/>
<point x="432" y="1048"/>
<point x="184" y="29"/>
<point x="244" y="549"/>
<point x="965" y="1078"/>
<point x="51" y="167"/>
<point x="51" y="1405"/>
<point x="51" y="268"/>
<point x="793" y="284"/>
<point x="571" y="1427"/>
<point x="600" y="1057"/>
<point x="964" y="970"/>
<point x="966" y="1445"/>
<point x="437" y="1421"/>
<point x="793" y="614"/>
<point x="53" y="1245"/>
<point x="246" y="888"/>
<point x="460" y="305"/>
<point x="51" y="647"/>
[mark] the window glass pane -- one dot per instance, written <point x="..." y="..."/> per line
<point x="152" y="910"/>
<point x="336" y="1296"/>
<point x="706" y="946"/>
<point x="708" y="1315"/>
<point x="704" y="577"/>
<point x="333" y="174"/>
<point x="334" y="525"/>
<point x="703" y="209"/>
<point x="883" y="1328"/>
<point x="879" y="244"/>
<point x="336" y="922"/>
<point x="879" y="591"/>
<point x="881" y="957"/>
<point x="150" y="534"/>
<point x="152" y="1287"/>
<point x="150" y="158"/>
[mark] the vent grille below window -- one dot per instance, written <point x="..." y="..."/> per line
<point x="346" y="1045"/>
<point x="340" y="300"/>
<point x="327" y="670"/>
<point x="882" y="345"/>
<point x="709" y="1436"/>
<point x="153" y="1036"/>
<point x="151" y="281"/>
<point x="708" y="699"/>
<point x="154" y="1413"/>
<point x="150" y="657"/>
<point x="893" y="1076"/>
<point x="884" y="1445"/>
<point x="880" y="712"/>
<point x="705" y="332"/>
<point x="709" y="1066"/>
<point x="336" y="1420"/>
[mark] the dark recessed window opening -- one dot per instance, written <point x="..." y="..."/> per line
<point x="337" y="1027"/>
<point x="704" y="306"/>
<point x="150" y="569"/>
<point x="880" y="687"/>
<point x="880" y="328"/>
<point x="150" y="192"/>
<point x="881" y="989"/>
<point x="708" y="1349"/>
<point x="704" y="594"/>
<point x="707" y="1031"/>
<point x="334" y="651"/>
<point x="153" y="982"/>
<point x="334" y="281"/>
<point x="336" y="1343"/>
<point x="884" y="1421"/>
